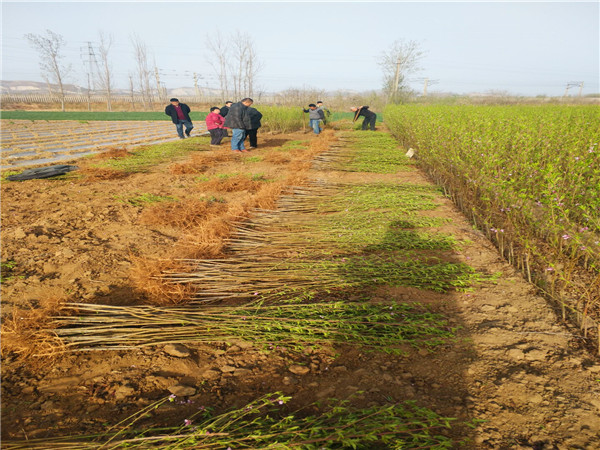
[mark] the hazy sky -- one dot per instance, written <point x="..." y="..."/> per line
<point x="527" y="48"/>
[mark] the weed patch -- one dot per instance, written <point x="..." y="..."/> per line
<point x="145" y="199"/>
<point x="146" y="157"/>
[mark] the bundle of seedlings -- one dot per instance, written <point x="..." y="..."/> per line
<point x="267" y="423"/>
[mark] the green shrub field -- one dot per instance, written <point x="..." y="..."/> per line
<point x="529" y="176"/>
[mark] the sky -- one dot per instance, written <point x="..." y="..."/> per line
<point x="523" y="48"/>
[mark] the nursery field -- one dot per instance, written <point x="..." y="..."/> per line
<point x="529" y="178"/>
<point x="317" y="292"/>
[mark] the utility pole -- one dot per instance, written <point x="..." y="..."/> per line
<point x="425" y="87"/>
<point x="573" y="84"/>
<point x="89" y="100"/>
<point x="91" y="64"/>
<point x="196" y="90"/>
<point x="158" y="88"/>
<point x="131" y="91"/>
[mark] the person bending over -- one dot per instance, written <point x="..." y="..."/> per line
<point x="369" y="116"/>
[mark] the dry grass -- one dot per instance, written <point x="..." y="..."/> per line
<point x="101" y="174"/>
<point x="146" y="275"/>
<point x="233" y="184"/>
<point x="113" y="153"/>
<point x="276" y="157"/>
<point x="199" y="163"/>
<point x="26" y="332"/>
<point x="185" y="169"/>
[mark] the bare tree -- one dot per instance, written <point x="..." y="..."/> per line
<point x="105" y="72"/>
<point x="297" y="96"/>
<point x="220" y="54"/>
<point x="143" y="72"/>
<point x="236" y="63"/>
<point x="252" y="68"/>
<point x="49" y="47"/>
<point x="397" y="63"/>
<point x="245" y="64"/>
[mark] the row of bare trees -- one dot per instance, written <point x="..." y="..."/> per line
<point x="233" y="58"/>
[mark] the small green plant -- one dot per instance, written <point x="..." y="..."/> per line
<point x="6" y="270"/>
<point x="213" y="199"/>
<point x="258" y="177"/>
<point x="8" y="173"/>
<point x="145" y="199"/>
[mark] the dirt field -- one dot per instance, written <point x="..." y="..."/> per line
<point x="524" y="376"/>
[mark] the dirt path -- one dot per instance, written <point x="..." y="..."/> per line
<point x="511" y="366"/>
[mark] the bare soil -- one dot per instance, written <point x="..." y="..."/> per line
<point x="515" y="367"/>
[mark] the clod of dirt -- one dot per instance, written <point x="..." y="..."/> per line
<point x="182" y="390"/>
<point x="177" y="350"/>
<point x="299" y="370"/>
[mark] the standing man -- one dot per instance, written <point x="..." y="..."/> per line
<point x="225" y="109"/>
<point x="315" y="116"/>
<point x="238" y="120"/>
<point x="369" y="116"/>
<point x="326" y="112"/>
<point x="255" y="115"/>
<point x="180" y="115"/>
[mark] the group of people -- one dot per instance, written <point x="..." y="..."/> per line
<point x="240" y="117"/>
<point x="244" y="121"/>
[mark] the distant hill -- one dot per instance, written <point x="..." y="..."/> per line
<point x="31" y="87"/>
<point x="37" y="87"/>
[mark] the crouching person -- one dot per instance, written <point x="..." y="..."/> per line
<point x="214" y="125"/>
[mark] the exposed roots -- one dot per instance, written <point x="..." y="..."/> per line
<point x="185" y="215"/>
<point x="147" y="277"/>
<point x="27" y="333"/>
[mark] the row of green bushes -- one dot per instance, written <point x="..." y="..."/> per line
<point x="529" y="176"/>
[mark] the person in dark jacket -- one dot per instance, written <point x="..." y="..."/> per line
<point x="369" y="116"/>
<point x="255" y="115"/>
<point x="225" y="109"/>
<point x="315" y="116"/>
<point x="180" y="115"/>
<point x="326" y="112"/>
<point x="238" y="120"/>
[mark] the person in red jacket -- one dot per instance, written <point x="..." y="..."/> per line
<point x="214" y="125"/>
